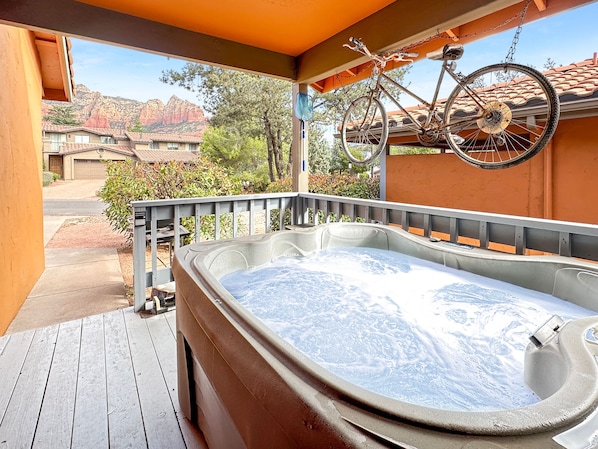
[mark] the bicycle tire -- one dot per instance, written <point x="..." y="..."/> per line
<point x="364" y="130"/>
<point x="508" y="131"/>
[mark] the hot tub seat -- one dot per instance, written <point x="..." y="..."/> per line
<point x="246" y="388"/>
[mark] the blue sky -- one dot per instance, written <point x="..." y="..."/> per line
<point x="566" y="38"/>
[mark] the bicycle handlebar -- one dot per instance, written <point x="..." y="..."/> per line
<point x="360" y="47"/>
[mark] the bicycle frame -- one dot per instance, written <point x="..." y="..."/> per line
<point x="479" y="121"/>
<point x="447" y="67"/>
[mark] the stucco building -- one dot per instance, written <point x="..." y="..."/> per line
<point x="75" y="152"/>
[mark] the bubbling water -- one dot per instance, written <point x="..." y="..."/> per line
<point x="403" y="327"/>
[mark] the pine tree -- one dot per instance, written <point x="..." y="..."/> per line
<point x="62" y="115"/>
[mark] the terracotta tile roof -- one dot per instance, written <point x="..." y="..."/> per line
<point x="116" y="133"/>
<point x="574" y="82"/>
<point x="164" y="155"/>
<point x="71" y="148"/>
<point x="162" y="137"/>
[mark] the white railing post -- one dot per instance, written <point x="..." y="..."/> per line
<point x="139" y="242"/>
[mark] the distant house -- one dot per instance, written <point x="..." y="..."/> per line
<point x="76" y="152"/>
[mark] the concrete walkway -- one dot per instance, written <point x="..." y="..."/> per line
<point x="77" y="282"/>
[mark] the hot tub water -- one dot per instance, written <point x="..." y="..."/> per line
<point x="403" y="327"/>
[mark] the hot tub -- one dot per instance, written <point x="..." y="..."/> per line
<point x="245" y="387"/>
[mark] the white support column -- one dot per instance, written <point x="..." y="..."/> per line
<point x="300" y="146"/>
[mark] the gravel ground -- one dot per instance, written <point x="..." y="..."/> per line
<point x="75" y="190"/>
<point x="87" y="232"/>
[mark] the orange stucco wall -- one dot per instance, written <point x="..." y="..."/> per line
<point x="21" y="206"/>
<point x="559" y="183"/>
<point x="576" y="171"/>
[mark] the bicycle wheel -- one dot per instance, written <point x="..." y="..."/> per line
<point x="501" y="116"/>
<point x="364" y="130"/>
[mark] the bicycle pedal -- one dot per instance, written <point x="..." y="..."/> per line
<point x="458" y="139"/>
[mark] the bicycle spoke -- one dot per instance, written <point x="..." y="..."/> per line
<point x="364" y="130"/>
<point x="522" y="124"/>
<point x="502" y="135"/>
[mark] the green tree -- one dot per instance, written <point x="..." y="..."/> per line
<point x="339" y="162"/>
<point x="136" y="126"/>
<point x="242" y="156"/>
<point x="252" y="105"/>
<point x="330" y="108"/>
<point x="62" y="115"/>
<point x="320" y="153"/>
<point x="257" y="106"/>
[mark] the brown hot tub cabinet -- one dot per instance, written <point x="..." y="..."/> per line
<point x="244" y="387"/>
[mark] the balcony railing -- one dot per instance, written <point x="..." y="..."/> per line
<point x="170" y="221"/>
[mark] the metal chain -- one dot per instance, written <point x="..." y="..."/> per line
<point x="511" y="52"/>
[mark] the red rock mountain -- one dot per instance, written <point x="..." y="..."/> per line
<point x="98" y="111"/>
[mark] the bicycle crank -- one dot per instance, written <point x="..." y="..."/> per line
<point x="497" y="116"/>
<point x="429" y="136"/>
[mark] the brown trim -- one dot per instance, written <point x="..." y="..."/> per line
<point x="78" y="19"/>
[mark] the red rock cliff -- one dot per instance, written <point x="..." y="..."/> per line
<point x="98" y="111"/>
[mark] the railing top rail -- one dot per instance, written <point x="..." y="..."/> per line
<point x="211" y="199"/>
<point x="568" y="239"/>
<point x="541" y="223"/>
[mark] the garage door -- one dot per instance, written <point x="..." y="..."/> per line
<point x="89" y="169"/>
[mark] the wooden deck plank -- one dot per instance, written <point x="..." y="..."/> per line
<point x="106" y="381"/>
<point x="19" y="423"/>
<point x="12" y="358"/>
<point x="163" y="338"/>
<point x="3" y="342"/>
<point x="171" y="320"/>
<point x="90" y="425"/>
<point x="161" y="426"/>
<point x="125" y="423"/>
<point x="55" y="424"/>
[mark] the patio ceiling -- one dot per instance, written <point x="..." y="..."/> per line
<point x="297" y="40"/>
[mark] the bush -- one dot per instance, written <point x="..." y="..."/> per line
<point x="324" y="184"/>
<point x="129" y="181"/>
<point x="334" y="184"/>
<point x="47" y="178"/>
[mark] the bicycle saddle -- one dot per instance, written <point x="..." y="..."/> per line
<point x="450" y="52"/>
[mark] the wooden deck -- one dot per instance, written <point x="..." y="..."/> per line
<point x="105" y="381"/>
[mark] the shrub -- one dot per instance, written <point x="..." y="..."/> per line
<point x="129" y="181"/>
<point x="326" y="184"/>
<point x="47" y="178"/>
<point x="333" y="184"/>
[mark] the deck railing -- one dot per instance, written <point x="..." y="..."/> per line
<point x="252" y="214"/>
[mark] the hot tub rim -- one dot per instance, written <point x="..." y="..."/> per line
<point x="563" y="408"/>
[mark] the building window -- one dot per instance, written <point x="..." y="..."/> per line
<point x="107" y="139"/>
<point x="55" y="141"/>
<point x="154" y="146"/>
<point x="81" y="139"/>
<point x="172" y="146"/>
<point x="192" y="146"/>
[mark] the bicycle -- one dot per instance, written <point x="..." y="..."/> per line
<point x="485" y="120"/>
